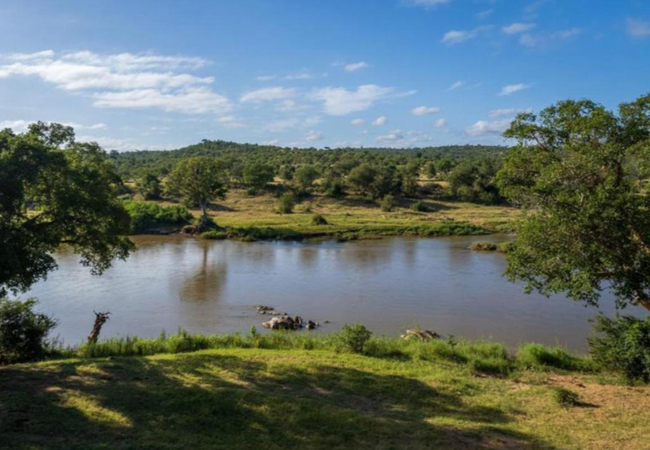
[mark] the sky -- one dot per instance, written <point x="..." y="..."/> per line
<point x="162" y="74"/>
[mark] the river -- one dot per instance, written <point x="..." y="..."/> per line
<point x="201" y="286"/>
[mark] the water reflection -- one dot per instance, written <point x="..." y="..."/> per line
<point x="211" y="287"/>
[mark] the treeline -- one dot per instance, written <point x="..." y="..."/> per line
<point x="372" y="172"/>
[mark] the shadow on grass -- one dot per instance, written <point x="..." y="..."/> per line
<point x="217" y="401"/>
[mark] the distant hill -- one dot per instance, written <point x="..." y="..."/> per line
<point x="135" y="163"/>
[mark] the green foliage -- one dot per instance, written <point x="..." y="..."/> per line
<point x="474" y="181"/>
<point x="197" y="181"/>
<point x="483" y="246"/>
<point x="565" y="397"/>
<point x="387" y="203"/>
<point x="214" y="235"/>
<point x="54" y="190"/>
<point x="354" y="337"/>
<point x="419" y="206"/>
<point x="541" y="357"/>
<point x="319" y="220"/>
<point x="257" y="175"/>
<point x="22" y="331"/>
<point x="576" y="167"/>
<point x="149" y="187"/>
<point x="305" y="176"/>
<point x="147" y="216"/>
<point x="286" y="203"/>
<point x="623" y="345"/>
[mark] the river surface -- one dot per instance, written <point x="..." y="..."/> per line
<point x="174" y="282"/>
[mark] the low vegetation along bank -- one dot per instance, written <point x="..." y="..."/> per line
<point x="349" y="390"/>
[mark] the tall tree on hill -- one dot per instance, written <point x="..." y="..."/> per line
<point x="197" y="181"/>
<point x="579" y="167"/>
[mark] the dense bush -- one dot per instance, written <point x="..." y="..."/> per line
<point x="623" y="344"/>
<point x="565" y="397"/>
<point x="483" y="246"/>
<point x="23" y="332"/>
<point x="419" y="206"/>
<point x="537" y="356"/>
<point x="354" y="337"/>
<point x="257" y="175"/>
<point x="214" y="235"/>
<point x="319" y="220"/>
<point x="286" y="203"/>
<point x="387" y="203"/>
<point x="147" y="216"/>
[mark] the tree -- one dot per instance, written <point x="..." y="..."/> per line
<point x="577" y="167"/>
<point x="149" y="187"/>
<point x="258" y="175"/>
<point x="197" y="181"/>
<point x="56" y="191"/>
<point x="305" y="176"/>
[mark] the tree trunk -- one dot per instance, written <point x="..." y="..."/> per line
<point x="100" y="320"/>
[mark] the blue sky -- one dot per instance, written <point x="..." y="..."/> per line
<point x="404" y="73"/>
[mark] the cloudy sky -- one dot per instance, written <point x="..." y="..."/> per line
<point x="164" y="74"/>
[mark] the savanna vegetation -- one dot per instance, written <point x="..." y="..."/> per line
<point x="574" y="187"/>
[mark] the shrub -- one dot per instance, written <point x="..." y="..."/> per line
<point x="623" y="345"/>
<point x="146" y="216"/>
<point x="387" y="203"/>
<point x="419" y="206"/>
<point x="286" y="203"/>
<point x="483" y="246"/>
<point x="538" y="356"/>
<point x="319" y="220"/>
<point x="214" y="235"/>
<point x="22" y="331"/>
<point x="505" y="247"/>
<point x="354" y="337"/>
<point x="565" y="397"/>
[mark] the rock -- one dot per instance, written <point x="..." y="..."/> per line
<point x="297" y="321"/>
<point x="280" y="323"/>
<point x="261" y="309"/>
<point x="311" y="325"/>
<point x="423" y="335"/>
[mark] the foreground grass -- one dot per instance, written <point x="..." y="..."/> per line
<point x="398" y="395"/>
<point x="354" y="217"/>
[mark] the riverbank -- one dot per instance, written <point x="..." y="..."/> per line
<point x="246" y="217"/>
<point x="397" y="394"/>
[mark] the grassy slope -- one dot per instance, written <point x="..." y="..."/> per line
<point x="354" y="215"/>
<point x="253" y="398"/>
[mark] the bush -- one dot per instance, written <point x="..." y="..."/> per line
<point x="214" y="235"/>
<point x="538" y="356"/>
<point x="286" y="203"/>
<point x="623" y="345"/>
<point x="22" y="331"/>
<point x="419" y="206"/>
<point x="319" y="220"/>
<point x="387" y="203"/>
<point x="505" y="247"/>
<point x="483" y="246"/>
<point x="565" y="397"/>
<point x="354" y="337"/>
<point x="147" y="216"/>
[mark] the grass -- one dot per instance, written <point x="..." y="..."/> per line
<point x="297" y="391"/>
<point x="255" y="217"/>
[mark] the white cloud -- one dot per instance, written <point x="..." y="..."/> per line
<point x="393" y="136"/>
<point x="313" y="135"/>
<point x="440" y="123"/>
<point x="457" y="36"/>
<point x="267" y="94"/>
<point x="482" y="15"/>
<point x="123" y="145"/>
<point x="290" y="105"/>
<point x="357" y="122"/>
<point x="548" y="39"/>
<point x="20" y="125"/>
<point x="265" y="77"/>
<point x="338" y="101"/>
<point x="508" y="112"/>
<point x="124" y="79"/>
<point x="192" y="100"/>
<point x="637" y="28"/>
<point x="487" y="127"/>
<point x="231" y="122"/>
<point x="353" y="67"/>
<point x="299" y="76"/>
<point x="512" y="88"/>
<point x="517" y="28"/>
<point x="456" y="85"/>
<point x="278" y="126"/>
<point x="424" y="110"/>
<point x="379" y="121"/>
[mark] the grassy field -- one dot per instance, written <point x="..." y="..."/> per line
<point x="257" y="398"/>
<point x="357" y="217"/>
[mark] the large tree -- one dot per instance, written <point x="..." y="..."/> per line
<point x="198" y="181"/>
<point x="580" y="169"/>
<point x="56" y="191"/>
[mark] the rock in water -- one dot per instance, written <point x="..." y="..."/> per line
<point x="423" y="335"/>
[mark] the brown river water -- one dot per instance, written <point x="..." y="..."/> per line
<point x="210" y="287"/>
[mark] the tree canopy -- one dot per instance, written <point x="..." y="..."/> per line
<point x="580" y="167"/>
<point x="56" y="191"/>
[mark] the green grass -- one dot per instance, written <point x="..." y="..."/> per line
<point x="305" y="394"/>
